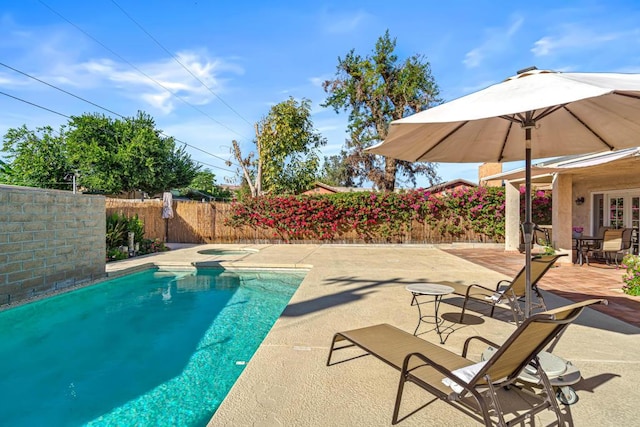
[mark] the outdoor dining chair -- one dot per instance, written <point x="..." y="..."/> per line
<point x="615" y="242"/>
<point x="595" y="245"/>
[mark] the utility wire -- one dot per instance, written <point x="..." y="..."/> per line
<point x="105" y="109"/>
<point x="60" y="89"/>
<point x="178" y="61"/>
<point x="35" y="105"/>
<point x="139" y="70"/>
<point x="69" y="117"/>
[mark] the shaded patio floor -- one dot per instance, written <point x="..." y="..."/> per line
<point x="570" y="281"/>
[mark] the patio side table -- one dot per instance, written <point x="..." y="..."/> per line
<point x="431" y="289"/>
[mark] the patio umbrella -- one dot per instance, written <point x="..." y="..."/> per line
<point x="535" y="114"/>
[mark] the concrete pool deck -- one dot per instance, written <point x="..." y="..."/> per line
<point x="287" y="382"/>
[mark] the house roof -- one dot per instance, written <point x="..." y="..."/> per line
<point x="450" y="184"/>
<point x="340" y="189"/>
<point x="566" y="164"/>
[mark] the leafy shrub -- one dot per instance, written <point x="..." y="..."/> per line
<point x="117" y="234"/>
<point x="380" y="215"/>
<point x="631" y="278"/>
<point x="149" y="246"/>
<point x="540" y="206"/>
<point x="117" y="229"/>
<point x="115" y="254"/>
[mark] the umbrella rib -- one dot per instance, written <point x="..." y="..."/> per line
<point x="548" y="111"/>
<point x="586" y="126"/>
<point x="441" y="140"/>
<point x="629" y="95"/>
<point x="520" y="119"/>
<point x="506" y="136"/>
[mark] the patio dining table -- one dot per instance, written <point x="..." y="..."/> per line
<point x="580" y="243"/>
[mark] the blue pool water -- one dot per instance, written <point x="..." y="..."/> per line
<point x="154" y="348"/>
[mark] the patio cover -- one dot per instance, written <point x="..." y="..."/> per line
<point x="565" y="164"/>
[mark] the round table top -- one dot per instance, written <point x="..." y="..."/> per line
<point x="429" y="289"/>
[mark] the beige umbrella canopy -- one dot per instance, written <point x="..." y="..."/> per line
<point x="535" y="114"/>
<point x="573" y="113"/>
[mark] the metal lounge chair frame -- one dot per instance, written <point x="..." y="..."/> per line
<point x="426" y="364"/>
<point x="511" y="290"/>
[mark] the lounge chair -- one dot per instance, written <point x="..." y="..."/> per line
<point x="511" y="290"/>
<point x="429" y="366"/>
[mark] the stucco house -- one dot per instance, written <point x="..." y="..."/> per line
<point x="589" y="191"/>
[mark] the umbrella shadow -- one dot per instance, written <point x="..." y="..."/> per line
<point x="590" y="384"/>
<point x="324" y="302"/>
<point x="452" y="324"/>
<point x="363" y="288"/>
<point x="500" y="313"/>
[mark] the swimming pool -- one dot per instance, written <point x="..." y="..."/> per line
<point x="152" y="348"/>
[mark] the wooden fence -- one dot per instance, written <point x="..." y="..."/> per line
<point x="204" y="222"/>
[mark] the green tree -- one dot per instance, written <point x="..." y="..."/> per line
<point x="287" y="144"/>
<point x="204" y="183"/>
<point x="375" y="90"/>
<point x="337" y="171"/>
<point x="5" y="172"/>
<point x="36" y="158"/>
<point x="125" y="155"/>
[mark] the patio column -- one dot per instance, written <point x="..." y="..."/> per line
<point x="512" y="216"/>
<point x="561" y="215"/>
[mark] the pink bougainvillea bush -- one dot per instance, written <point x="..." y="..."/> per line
<point x="377" y="216"/>
<point x="540" y="206"/>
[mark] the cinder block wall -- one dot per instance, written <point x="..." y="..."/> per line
<point x="49" y="240"/>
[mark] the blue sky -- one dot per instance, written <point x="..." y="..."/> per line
<point x="251" y="55"/>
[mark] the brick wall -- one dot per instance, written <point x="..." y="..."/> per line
<point x="49" y="240"/>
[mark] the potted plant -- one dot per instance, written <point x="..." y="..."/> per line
<point x="577" y="232"/>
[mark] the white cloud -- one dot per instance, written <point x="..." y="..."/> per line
<point x="342" y="23"/>
<point x="515" y="26"/>
<point x="318" y="81"/>
<point x="156" y="82"/>
<point x="496" y="40"/>
<point x="473" y="58"/>
<point x="572" y="37"/>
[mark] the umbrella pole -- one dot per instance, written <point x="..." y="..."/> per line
<point x="527" y="226"/>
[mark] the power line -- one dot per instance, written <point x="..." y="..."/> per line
<point x="35" y="105"/>
<point x="139" y="70"/>
<point x="60" y="89"/>
<point x="105" y="109"/>
<point x="178" y="61"/>
<point x="68" y="117"/>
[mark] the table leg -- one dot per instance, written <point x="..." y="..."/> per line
<point x="436" y="301"/>
<point x="437" y="320"/>
<point x="579" y="259"/>
<point x="414" y="301"/>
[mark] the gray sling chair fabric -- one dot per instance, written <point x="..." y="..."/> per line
<point x="489" y="388"/>
<point x="615" y="242"/>
<point x="510" y="290"/>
